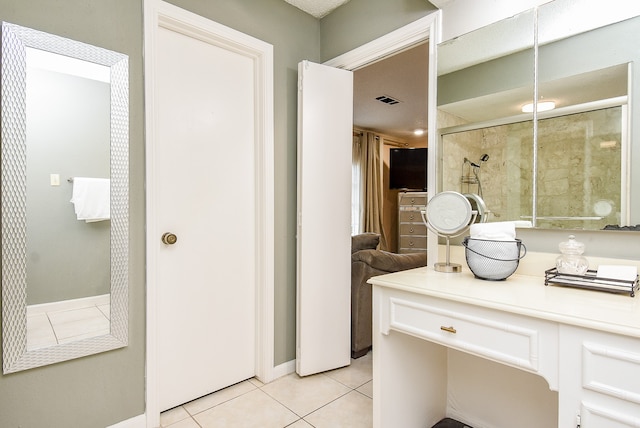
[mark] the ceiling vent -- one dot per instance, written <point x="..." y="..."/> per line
<point x="387" y="100"/>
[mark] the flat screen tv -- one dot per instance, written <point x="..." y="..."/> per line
<point x="408" y="169"/>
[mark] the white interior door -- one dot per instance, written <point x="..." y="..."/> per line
<point x="325" y="126"/>
<point x="205" y="193"/>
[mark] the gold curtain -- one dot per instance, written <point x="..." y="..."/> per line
<point x="370" y="162"/>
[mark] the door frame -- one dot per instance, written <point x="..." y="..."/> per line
<point x="158" y="13"/>
<point x="427" y="28"/>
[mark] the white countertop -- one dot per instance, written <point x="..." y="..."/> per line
<point x="525" y="295"/>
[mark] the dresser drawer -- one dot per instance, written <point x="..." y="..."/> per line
<point x="412" y="216"/>
<point x="418" y="229"/>
<point x="412" y="199"/>
<point x="413" y="242"/>
<point x="498" y="336"/>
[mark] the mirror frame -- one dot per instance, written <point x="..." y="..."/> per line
<point x="15" y="355"/>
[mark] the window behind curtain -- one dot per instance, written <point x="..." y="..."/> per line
<point x="356" y="186"/>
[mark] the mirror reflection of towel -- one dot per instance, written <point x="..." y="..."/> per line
<point x="92" y="198"/>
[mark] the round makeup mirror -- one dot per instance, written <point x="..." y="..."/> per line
<point x="448" y="214"/>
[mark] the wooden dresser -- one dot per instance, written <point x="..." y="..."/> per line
<point x="412" y="232"/>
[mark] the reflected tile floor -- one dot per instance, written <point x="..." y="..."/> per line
<point x="70" y="321"/>
<point x="333" y="399"/>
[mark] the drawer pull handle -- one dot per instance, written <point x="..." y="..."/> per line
<point x="449" y="329"/>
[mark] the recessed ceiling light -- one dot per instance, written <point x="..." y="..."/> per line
<point x="418" y="132"/>
<point x="542" y="106"/>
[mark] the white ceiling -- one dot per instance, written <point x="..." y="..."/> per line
<point x="317" y="8"/>
<point x="403" y="77"/>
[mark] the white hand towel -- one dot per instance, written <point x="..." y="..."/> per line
<point x="92" y="198"/>
<point x="626" y="273"/>
<point x="498" y="231"/>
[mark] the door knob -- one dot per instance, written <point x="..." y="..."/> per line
<point x="169" y="238"/>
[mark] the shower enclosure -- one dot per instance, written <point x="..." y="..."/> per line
<point x="579" y="160"/>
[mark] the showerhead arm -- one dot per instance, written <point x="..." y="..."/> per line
<point x="475" y="165"/>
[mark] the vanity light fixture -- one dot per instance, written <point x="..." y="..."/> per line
<point x="542" y="106"/>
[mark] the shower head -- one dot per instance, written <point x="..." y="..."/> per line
<point x="484" y="158"/>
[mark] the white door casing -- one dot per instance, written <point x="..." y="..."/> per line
<point x="423" y="30"/>
<point x="230" y="178"/>
<point x="325" y="124"/>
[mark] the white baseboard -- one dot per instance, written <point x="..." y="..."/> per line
<point x="139" y="421"/>
<point x="66" y="305"/>
<point x="284" y="369"/>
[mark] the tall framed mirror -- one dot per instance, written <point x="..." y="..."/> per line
<point x="65" y="162"/>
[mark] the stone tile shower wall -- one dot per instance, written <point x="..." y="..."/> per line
<point x="579" y="161"/>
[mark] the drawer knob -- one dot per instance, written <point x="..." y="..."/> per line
<point x="449" y="329"/>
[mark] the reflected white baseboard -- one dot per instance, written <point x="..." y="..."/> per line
<point x="65" y="305"/>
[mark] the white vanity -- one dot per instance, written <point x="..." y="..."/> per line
<point x="502" y="354"/>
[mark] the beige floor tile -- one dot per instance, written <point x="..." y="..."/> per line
<point x="355" y="375"/>
<point x="300" y="424"/>
<point x="172" y="416"/>
<point x="367" y="389"/>
<point x="303" y="395"/>
<point x="211" y="400"/>
<point x="354" y="410"/>
<point x="254" y="409"/>
<point x="256" y="382"/>
<point x="185" y="423"/>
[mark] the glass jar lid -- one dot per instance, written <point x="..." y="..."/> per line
<point x="571" y="246"/>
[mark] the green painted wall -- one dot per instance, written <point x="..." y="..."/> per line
<point x="107" y="388"/>
<point x="360" y="21"/>
<point x="102" y="389"/>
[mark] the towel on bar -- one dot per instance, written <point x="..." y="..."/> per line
<point x="92" y="198"/>
<point x="498" y="231"/>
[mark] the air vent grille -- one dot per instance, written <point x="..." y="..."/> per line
<point x="387" y="99"/>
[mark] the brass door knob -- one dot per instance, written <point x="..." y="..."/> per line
<point x="169" y="238"/>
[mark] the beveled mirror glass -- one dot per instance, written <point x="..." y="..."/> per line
<point x="65" y="136"/>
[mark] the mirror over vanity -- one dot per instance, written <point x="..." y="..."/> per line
<point x="65" y="150"/>
<point x="564" y="160"/>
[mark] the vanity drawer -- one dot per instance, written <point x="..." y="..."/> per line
<point x="499" y="336"/>
<point x="612" y="370"/>
<point x="413" y="229"/>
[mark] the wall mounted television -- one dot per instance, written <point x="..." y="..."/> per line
<point x="408" y="169"/>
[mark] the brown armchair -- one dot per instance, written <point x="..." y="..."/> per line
<point x="367" y="262"/>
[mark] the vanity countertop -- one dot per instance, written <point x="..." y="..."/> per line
<point x="525" y="295"/>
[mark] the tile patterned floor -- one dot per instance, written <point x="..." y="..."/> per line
<point x="334" y="399"/>
<point x="75" y="322"/>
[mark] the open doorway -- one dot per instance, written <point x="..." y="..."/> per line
<point x="390" y="101"/>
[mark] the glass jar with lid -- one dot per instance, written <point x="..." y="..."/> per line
<point x="572" y="261"/>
